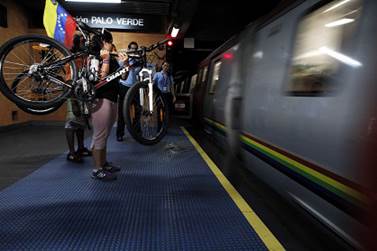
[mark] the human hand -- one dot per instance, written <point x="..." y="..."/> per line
<point x="122" y="56"/>
<point x="105" y="54"/>
<point x="124" y="75"/>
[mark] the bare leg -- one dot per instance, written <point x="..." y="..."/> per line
<point x="80" y="139"/>
<point x="99" y="157"/>
<point x="72" y="156"/>
<point x="70" y="140"/>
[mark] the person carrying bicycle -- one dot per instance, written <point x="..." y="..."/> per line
<point x="45" y="77"/>
<point x="104" y="113"/>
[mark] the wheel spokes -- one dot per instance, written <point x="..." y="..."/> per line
<point x="146" y="124"/>
<point x="23" y="73"/>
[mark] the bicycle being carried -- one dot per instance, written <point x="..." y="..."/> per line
<point x="33" y="75"/>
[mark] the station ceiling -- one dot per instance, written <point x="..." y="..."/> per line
<point x="210" y="23"/>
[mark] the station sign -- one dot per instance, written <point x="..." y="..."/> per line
<point x="142" y="23"/>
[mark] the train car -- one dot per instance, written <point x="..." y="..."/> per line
<point x="212" y="88"/>
<point x="292" y="94"/>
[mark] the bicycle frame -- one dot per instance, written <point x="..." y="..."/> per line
<point x="112" y="76"/>
<point x="61" y="63"/>
<point x="72" y="57"/>
<point x="144" y="75"/>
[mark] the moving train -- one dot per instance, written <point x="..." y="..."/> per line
<point x="294" y="95"/>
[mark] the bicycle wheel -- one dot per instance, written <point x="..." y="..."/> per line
<point x="145" y="126"/>
<point x="30" y="110"/>
<point x="40" y="112"/>
<point x="32" y="61"/>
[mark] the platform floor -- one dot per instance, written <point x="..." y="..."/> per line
<point x="166" y="198"/>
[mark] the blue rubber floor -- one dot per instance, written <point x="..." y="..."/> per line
<point x="165" y="198"/>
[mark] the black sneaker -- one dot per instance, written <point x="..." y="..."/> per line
<point x="103" y="175"/>
<point x="110" y="167"/>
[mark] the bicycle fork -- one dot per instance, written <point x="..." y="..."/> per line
<point x="147" y="77"/>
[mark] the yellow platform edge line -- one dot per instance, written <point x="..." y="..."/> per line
<point x="256" y="223"/>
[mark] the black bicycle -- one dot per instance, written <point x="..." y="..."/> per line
<point x="33" y="75"/>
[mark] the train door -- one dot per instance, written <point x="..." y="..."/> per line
<point x="234" y="96"/>
<point x="183" y="103"/>
<point x="222" y="86"/>
<point x="210" y="98"/>
<point x="198" y="95"/>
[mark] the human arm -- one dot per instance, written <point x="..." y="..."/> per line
<point x="122" y="59"/>
<point x="155" y="79"/>
<point x="105" y="68"/>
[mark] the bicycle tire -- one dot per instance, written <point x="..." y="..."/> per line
<point x="128" y="101"/>
<point x="33" y="105"/>
<point x="30" y="110"/>
<point x="40" y="112"/>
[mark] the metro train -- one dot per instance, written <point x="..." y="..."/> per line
<point x="294" y="95"/>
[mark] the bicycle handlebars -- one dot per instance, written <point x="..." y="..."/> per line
<point x="139" y="53"/>
<point x="154" y="46"/>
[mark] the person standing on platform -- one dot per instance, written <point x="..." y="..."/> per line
<point x="165" y="83"/>
<point x="104" y="113"/>
<point x="75" y="120"/>
<point x="124" y="85"/>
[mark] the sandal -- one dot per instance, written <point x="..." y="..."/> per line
<point x="74" y="158"/>
<point x="85" y="152"/>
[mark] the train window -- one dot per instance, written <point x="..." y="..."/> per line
<point x="186" y="86"/>
<point x="317" y="54"/>
<point x="194" y="79"/>
<point x="178" y="87"/>
<point x="200" y="74"/>
<point x="204" y="76"/>
<point x="215" y="77"/>
<point x="182" y="86"/>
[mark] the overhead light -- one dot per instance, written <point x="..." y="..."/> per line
<point x="95" y="1"/>
<point x="174" y="32"/>
<point x="340" y="22"/>
<point x="341" y="57"/>
<point x="336" y="5"/>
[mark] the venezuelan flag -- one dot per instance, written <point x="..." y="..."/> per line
<point x="59" y="24"/>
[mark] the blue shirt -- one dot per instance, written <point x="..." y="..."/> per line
<point x="163" y="81"/>
<point x="132" y="74"/>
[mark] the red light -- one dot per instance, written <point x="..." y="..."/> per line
<point x="228" y="55"/>
<point x="170" y="43"/>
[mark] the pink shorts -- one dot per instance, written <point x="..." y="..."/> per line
<point x="103" y="118"/>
